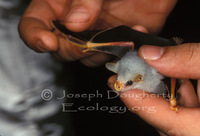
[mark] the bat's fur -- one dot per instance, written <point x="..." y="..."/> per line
<point x="130" y="65"/>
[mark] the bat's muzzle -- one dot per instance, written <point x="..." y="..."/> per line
<point x="118" y="86"/>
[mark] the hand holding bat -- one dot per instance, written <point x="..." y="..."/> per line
<point x="36" y="28"/>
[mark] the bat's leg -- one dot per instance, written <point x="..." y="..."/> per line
<point x="172" y="100"/>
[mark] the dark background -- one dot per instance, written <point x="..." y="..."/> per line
<point x="183" y="22"/>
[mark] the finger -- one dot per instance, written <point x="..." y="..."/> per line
<point x="155" y="110"/>
<point x="188" y="95"/>
<point x="150" y="14"/>
<point x="181" y="61"/>
<point x="198" y="89"/>
<point x="161" y="133"/>
<point x="35" y="27"/>
<point x="96" y="59"/>
<point x="37" y="35"/>
<point x="68" y="52"/>
<point x="146" y="106"/>
<point x="140" y="28"/>
<point x="83" y="14"/>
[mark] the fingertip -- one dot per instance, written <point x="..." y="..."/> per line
<point x="49" y="41"/>
<point x="140" y="28"/>
<point x="142" y="98"/>
<point x="151" y="53"/>
<point x="82" y="15"/>
<point x="43" y="41"/>
<point x="188" y="96"/>
<point x="37" y="35"/>
<point x="151" y="107"/>
<point x="77" y="27"/>
<point x="111" y="81"/>
<point x="78" y="19"/>
<point x="171" y="61"/>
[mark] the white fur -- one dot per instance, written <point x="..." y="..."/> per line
<point x="130" y="65"/>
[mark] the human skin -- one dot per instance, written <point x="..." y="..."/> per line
<point x="78" y="15"/>
<point x="181" y="62"/>
<point x="144" y="15"/>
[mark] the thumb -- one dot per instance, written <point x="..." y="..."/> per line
<point x="83" y="14"/>
<point x="150" y="107"/>
<point x="181" y="61"/>
<point x="155" y="110"/>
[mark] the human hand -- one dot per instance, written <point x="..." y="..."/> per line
<point x="182" y="62"/>
<point x="35" y="27"/>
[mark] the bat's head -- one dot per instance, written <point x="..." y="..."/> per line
<point x="134" y="73"/>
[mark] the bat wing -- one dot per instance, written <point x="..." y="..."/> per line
<point x="95" y="40"/>
<point x="117" y="40"/>
<point x="127" y="34"/>
<point x="78" y="39"/>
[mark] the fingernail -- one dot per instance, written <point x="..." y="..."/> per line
<point x="41" y="46"/>
<point x="152" y="52"/>
<point x="78" y="16"/>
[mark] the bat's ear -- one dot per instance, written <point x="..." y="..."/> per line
<point x="112" y="66"/>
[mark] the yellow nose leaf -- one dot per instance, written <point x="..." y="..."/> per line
<point x="118" y="86"/>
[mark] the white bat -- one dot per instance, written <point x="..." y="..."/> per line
<point x="134" y="73"/>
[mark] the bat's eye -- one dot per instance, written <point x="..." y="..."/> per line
<point x="129" y="82"/>
<point x="139" y="78"/>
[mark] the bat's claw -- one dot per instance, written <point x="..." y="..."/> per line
<point x="174" y="109"/>
<point x="173" y="104"/>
